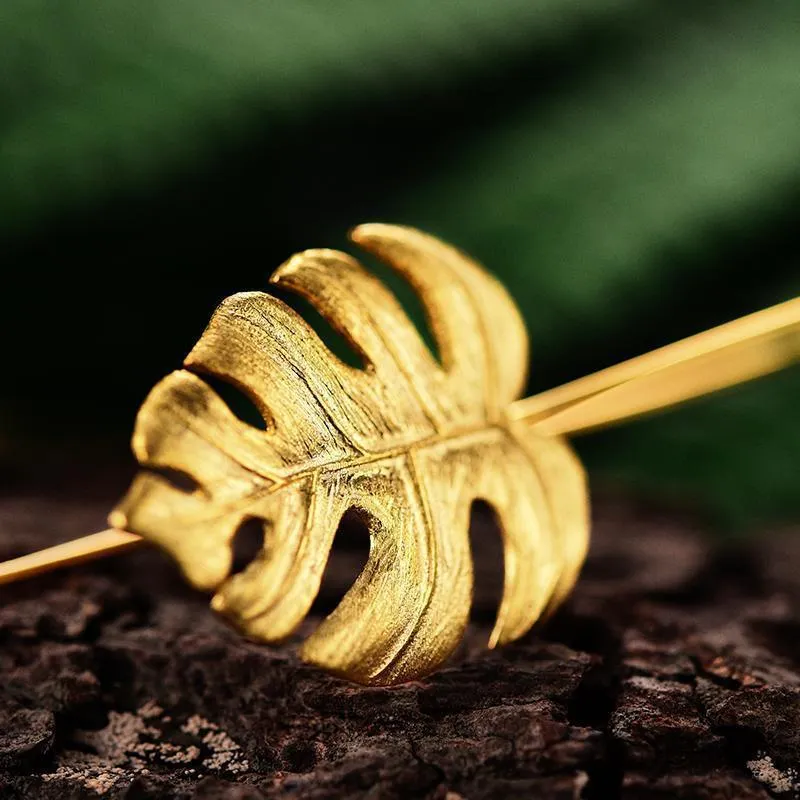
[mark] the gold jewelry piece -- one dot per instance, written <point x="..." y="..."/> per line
<point x="408" y="441"/>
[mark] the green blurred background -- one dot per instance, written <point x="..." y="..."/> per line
<point x="629" y="168"/>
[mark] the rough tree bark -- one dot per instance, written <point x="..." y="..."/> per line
<point x="674" y="671"/>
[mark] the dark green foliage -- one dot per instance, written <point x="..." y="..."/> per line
<point x="630" y="169"/>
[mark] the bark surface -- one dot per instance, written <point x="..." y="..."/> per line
<point x="673" y="672"/>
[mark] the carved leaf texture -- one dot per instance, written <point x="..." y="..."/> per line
<point x="409" y="441"/>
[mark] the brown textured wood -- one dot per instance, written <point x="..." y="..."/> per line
<point x="673" y="671"/>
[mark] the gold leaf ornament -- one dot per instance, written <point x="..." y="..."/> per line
<point x="408" y="441"/>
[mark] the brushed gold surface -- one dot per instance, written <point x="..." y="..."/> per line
<point x="407" y="441"/>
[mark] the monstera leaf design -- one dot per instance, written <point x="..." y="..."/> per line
<point x="407" y="441"/>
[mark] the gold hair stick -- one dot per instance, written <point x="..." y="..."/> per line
<point x="87" y="548"/>
<point x="730" y="354"/>
<point x="407" y="441"/>
<point x="733" y="353"/>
